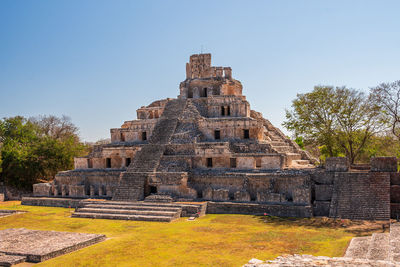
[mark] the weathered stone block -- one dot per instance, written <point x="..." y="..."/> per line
<point x="337" y="164"/>
<point x="323" y="177"/>
<point x="301" y="195"/>
<point x="77" y="191"/>
<point x="42" y="189"/>
<point x="102" y="191"/>
<point x="208" y="193"/>
<point x="1" y="197"/>
<point x="323" y="192"/>
<point x="395" y="178"/>
<point x="220" y="195"/>
<point x="64" y="190"/>
<point x="242" y="196"/>
<point x="395" y="194"/>
<point x="268" y="197"/>
<point x="395" y="210"/>
<point x="109" y="191"/>
<point x="92" y="190"/>
<point x="321" y="208"/>
<point x="384" y="164"/>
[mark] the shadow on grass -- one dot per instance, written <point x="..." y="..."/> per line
<point x="356" y="227"/>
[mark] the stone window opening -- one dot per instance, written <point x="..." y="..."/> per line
<point x="122" y="137"/>
<point x="258" y="162"/>
<point x="217" y="134"/>
<point x="144" y="136"/>
<point x="204" y="92"/>
<point x="232" y="162"/>
<point x="108" y="163"/>
<point x="127" y="162"/>
<point x="228" y="110"/>
<point x="222" y="111"/>
<point x="90" y="163"/>
<point x="153" y="189"/>
<point x="209" y="162"/>
<point x="246" y="134"/>
<point x="190" y="93"/>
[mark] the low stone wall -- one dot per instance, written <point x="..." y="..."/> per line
<point x="259" y="209"/>
<point x="93" y="183"/>
<point x="51" y="202"/>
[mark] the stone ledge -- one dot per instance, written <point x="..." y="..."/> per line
<point x="281" y="210"/>
<point x="39" y="246"/>
<point x="51" y="202"/>
<point x="8" y="260"/>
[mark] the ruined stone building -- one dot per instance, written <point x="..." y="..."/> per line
<point x="206" y="144"/>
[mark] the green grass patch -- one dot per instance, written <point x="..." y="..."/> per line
<point x="217" y="240"/>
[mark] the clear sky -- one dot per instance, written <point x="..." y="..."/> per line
<point x="98" y="61"/>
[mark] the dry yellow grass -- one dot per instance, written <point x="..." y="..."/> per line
<point x="213" y="240"/>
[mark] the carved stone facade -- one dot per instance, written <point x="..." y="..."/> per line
<point x="207" y="144"/>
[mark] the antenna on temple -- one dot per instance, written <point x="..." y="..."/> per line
<point x="201" y="49"/>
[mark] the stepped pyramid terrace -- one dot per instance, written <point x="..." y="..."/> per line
<point x="208" y="145"/>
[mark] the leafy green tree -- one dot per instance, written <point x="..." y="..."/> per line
<point x="340" y="121"/>
<point x="19" y="164"/>
<point x="32" y="151"/>
<point x="313" y="118"/>
<point x="358" y="119"/>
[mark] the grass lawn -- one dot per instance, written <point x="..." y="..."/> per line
<point x="217" y="240"/>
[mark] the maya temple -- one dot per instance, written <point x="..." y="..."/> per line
<point x="208" y="146"/>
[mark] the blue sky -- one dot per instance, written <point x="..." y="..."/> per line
<point x="98" y="61"/>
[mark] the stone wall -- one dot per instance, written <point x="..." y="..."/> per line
<point x="259" y="209"/>
<point x="80" y="184"/>
<point x="360" y="195"/>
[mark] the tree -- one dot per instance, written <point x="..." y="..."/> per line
<point x="20" y="167"/>
<point x="313" y="118"/>
<point x="338" y="120"/>
<point x="358" y="119"/>
<point x="387" y="97"/>
<point x="35" y="150"/>
<point x="55" y="127"/>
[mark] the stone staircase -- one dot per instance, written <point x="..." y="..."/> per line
<point x="131" y="186"/>
<point x="136" y="211"/>
<point x="147" y="159"/>
<point x="379" y="246"/>
<point x="380" y="249"/>
<point x="294" y="159"/>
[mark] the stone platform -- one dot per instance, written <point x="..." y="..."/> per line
<point x="22" y="244"/>
<point x="138" y="211"/>
<point x="4" y="213"/>
<point x="380" y="249"/>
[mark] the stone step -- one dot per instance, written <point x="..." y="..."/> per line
<point x="293" y="156"/>
<point x="379" y="247"/>
<point x="133" y="207"/>
<point x="175" y="213"/>
<point x="358" y="247"/>
<point x="278" y="143"/>
<point x="141" y="203"/>
<point x="301" y="161"/>
<point x="394" y="237"/>
<point x="122" y="217"/>
<point x="283" y="149"/>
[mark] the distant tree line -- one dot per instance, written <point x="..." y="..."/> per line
<point x="33" y="150"/>
<point x="338" y="121"/>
